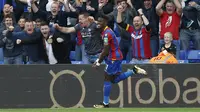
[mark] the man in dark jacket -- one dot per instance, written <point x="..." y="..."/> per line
<point x="12" y="52"/>
<point x="56" y="16"/>
<point x="190" y="28"/>
<point x="150" y="12"/>
<point x="55" y="46"/>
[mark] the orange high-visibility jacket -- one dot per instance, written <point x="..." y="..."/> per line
<point x="167" y="58"/>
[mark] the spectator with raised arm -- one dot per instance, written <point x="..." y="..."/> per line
<point x="30" y="37"/>
<point x="140" y="36"/>
<point x="7" y="10"/>
<point x="86" y="6"/>
<point x="137" y="4"/>
<point x="190" y="28"/>
<point x="170" y="20"/>
<point x="39" y="3"/>
<point x="93" y="43"/>
<point x="12" y="52"/>
<point x="105" y="6"/>
<point x="128" y="13"/>
<point x="64" y="5"/>
<point x="55" y="16"/>
<point x="150" y="12"/>
<point x="54" y="45"/>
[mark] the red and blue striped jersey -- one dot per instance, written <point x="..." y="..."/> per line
<point x="140" y="42"/>
<point x="79" y="39"/>
<point x="110" y="39"/>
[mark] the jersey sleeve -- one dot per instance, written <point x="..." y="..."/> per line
<point x="107" y="39"/>
<point x="129" y="28"/>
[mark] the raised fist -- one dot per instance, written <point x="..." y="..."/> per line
<point x="10" y="28"/>
<point x="140" y="11"/>
<point x="56" y="26"/>
<point x="60" y="40"/>
<point x="18" y="41"/>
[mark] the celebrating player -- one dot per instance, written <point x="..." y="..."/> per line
<point x="112" y="56"/>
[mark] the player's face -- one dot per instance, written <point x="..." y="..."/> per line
<point x="83" y="21"/>
<point x="170" y="8"/>
<point x="45" y="30"/>
<point x="101" y="23"/>
<point x="29" y="27"/>
<point x="137" y="22"/>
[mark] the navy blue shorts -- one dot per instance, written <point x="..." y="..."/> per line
<point x="113" y="67"/>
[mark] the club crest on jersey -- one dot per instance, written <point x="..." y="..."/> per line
<point x="105" y="39"/>
<point x="136" y="37"/>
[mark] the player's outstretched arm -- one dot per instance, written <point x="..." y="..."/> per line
<point x="64" y="29"/>
<point x="104" y="53"/>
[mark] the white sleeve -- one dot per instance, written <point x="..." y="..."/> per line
<point x="29" y="3"/>
<point x="48" y="6"/>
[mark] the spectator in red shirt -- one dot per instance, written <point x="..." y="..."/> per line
<point x="170" y="20"/>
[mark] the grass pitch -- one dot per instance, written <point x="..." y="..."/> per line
<point x="106" y="110"/>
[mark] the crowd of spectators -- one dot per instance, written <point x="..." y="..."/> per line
<point x="30" y="30"/>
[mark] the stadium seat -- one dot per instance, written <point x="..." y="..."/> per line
<point x="76" y="62"/>
<point x="1" y="55"/>
<point x="182" y="61"/>
<point x="72" y="55"/>
<point x="194" y="56"/>
<point x="183" y="55"/>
